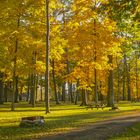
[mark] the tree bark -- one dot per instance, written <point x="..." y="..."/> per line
<point x="124" y="79"/>
<point x="118" y="80"/>
<point x="128" y="78"/>
<point x="95" y="87"/>
<point x="95" y="71"/>
<point x="110" y="96"/>
<point x="1" y="89"/>
<point x="36" y="86"/>
<point x="5" y="93"/>
<point x="47" y="58"/>
<point x="84" y="98"/>
<point x="14" y="69"/>
<point x="68" y="72"/>
<point x="41" y="89"/>
<point x="54" y="82"/>
<point x="137" y="87"/>
<point x="32" y="95"/>
<point x="77" y="93"/>
<point x="101" y="97"/>
<point x="71" y="93"/>
<point x="124" y="87"/>
<point x="21" y="89"/>
<point x="128" y="83"/>
<point x="16" y="90"/>
<point x="63" y="92"/>
<point x="28" y="88"/>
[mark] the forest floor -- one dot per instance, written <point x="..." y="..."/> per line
<point x="66" y="121"/>
<point x="104" y="130"/>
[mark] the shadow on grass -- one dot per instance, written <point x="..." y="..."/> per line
<point x="26" y="104"/>
<point x="21" y="105"/>
<point x="38" y="107"/>
<point x="132" y="132"/>
<point x="34" y="109"/>
<point x="28" y="110"/>
<point x="52" y="123"/>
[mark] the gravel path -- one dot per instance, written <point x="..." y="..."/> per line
<point x="99" y="131"/>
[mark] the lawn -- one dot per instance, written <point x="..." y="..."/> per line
<point x="62" y="118"/>
<point x="132" y="133"/>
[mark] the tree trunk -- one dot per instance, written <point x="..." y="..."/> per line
<point x="101" y="97"/>
<point x="5" y="93"/>
<point x="95" y="71"/>
<point x="124" y="87"/>
<point x="77" y="93"/>
<point x="16" y="90"/>
<point x="95" y="87"/>
<point x="54" y="82"/>
<point x="84" y="98"/>
<point x="63" y="92"/>
<point x="71" y="93"/>
<point x="128" y="83"/>
<point x="137" y="86"/>
<point x="118" y="80"/>
<point x="41" y="92"/>
<point x="47" y="58"/>
<point x="68" y="72"/>
<point x="128" y="78"/>
<point x="1" y="89"/>
<point x="76" y="97"/>
<point x="21" y="89"/>
<point x="36" y="87"/>
<point x="124" y="79"/>
<point x="28" y="88"/>
<point x="32" y="98"/>
<point x="14" y="70"/>
<point x="33" y="81"/>
<point x="110" y="96"/>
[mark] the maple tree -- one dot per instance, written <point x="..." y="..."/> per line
<point x="92" y="45"/>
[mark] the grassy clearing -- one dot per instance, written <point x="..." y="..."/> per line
<point x="62" y="118"/>
<point x="132" y="133"/>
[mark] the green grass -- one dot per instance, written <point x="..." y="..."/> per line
<point x="62" y="118"/>
<point x="132" y="133"/>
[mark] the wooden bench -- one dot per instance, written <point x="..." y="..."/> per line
<point x="133" y="100"/>
<point x="32" y="121"/>
<point x="89" y="106"/>
<point x="99" y="105"/>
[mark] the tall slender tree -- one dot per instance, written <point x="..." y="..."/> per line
<point x="110" y="97"/>
<point x="47" y="57"/>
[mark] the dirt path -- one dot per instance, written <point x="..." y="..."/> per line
<point x="99" y="131"/>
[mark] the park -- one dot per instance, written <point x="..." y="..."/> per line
<point x="70" y="70"/>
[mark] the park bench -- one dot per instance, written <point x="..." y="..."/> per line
<point x="89" y="106"/>
<point x="134" y="100"/>
<point x="32" y="121"/>
<point x="99" y="105"/>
